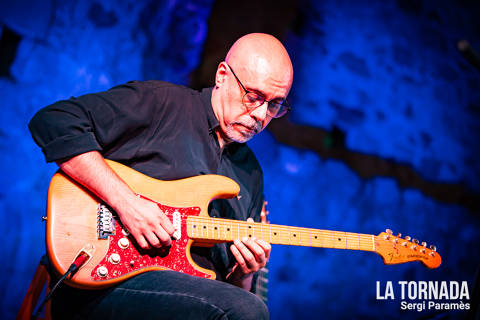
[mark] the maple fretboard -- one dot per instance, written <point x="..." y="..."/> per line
<point x="225" y="230"/>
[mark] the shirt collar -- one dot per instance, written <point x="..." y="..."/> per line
<point x="206" y="97"/>
<point x="213" y="123"/>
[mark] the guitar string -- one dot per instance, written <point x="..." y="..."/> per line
<point x="248" y="225"/>
<point x="364" y="241"/>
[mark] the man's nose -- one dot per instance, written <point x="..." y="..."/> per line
<point x="260" y="112"/>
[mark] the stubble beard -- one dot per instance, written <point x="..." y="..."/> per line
<point x="241" y="136"/>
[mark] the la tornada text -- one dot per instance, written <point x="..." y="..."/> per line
<point x="426" y="295"/>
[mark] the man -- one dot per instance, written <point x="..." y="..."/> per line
<point x="171" y="132"/>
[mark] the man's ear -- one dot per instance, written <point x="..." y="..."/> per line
<point x="221" y="74"/>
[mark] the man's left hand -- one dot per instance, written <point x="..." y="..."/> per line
<point x="251" y="254"/>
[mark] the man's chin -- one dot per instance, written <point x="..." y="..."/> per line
<point x="235" y="136"/>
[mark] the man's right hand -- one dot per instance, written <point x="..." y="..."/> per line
<point x="146" y="222"/>
<point x="143" y="218"/>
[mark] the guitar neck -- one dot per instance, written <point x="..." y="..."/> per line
<point x="224" y="230"/>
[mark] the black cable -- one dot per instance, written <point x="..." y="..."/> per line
<point x="72" y="269"/>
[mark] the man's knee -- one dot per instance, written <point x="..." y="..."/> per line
<point x="249" y="307"/>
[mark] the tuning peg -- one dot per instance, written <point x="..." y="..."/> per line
<point x="424" y="244"/>
<point x="399" y="235"/>
<point x="389" y="231"/>
<point x="433" y="248"/>
<point x="415" y="241"/>
<point x="407" y="238"/>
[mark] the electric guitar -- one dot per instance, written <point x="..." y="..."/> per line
<point x="79" y="224"/>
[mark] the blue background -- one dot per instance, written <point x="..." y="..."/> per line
<point x="386" y="74"/>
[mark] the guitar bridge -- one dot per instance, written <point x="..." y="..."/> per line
<point x="106" y="222"/>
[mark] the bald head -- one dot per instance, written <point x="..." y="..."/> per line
<point x="260" y="54"/>
<point x="257" y="63"/>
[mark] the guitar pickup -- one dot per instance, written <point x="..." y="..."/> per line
<point x="177" y="224"/>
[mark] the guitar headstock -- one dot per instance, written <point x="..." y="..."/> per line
<point x="395" y="249"/>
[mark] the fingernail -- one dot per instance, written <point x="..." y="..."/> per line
<point x="236" y="241"/>
<point x="244" y="239"/>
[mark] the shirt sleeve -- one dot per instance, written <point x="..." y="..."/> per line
<point x="98" y="121"/>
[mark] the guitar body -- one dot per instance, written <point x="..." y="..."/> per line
<point x="77" y="219"/>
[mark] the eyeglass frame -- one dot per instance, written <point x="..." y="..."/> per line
<point x="285" y="102"/>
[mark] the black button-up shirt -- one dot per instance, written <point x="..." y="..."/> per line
<point x="163" y="130"/>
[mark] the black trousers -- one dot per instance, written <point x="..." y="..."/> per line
<point x="159" y="295"/>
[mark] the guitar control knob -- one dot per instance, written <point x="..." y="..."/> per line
<point x="415" y="241"/>
<point x="114" y="258"/>
<point x="123" y="243"/>
<point x="404" y="243"/>
<point x="102" y="271"/>
<point x="399" y="235"/>
<point x="407" y="238"/>
<point x="414" y="247"/>
<point x="125" y="232"/>
<point x="423" y="250"/>
<point x="424" y="244"/>
<point x="388" y="231"/>
<point x="433" y="248"/>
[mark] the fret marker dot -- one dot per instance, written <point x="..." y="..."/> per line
<point x="228" y="229"/>
<point x="316" y="237"/>
<point x="294" y="235"/>
<point x="339" y="239"/>
<point x="275" y="233"/>
<point x="204" y="227"/>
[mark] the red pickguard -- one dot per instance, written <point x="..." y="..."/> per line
<point x="135" y="258"/>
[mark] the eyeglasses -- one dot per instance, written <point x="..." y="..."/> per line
<point x="252" y="100"/>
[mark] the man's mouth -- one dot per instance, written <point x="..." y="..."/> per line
<point x="250" y="129"/>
